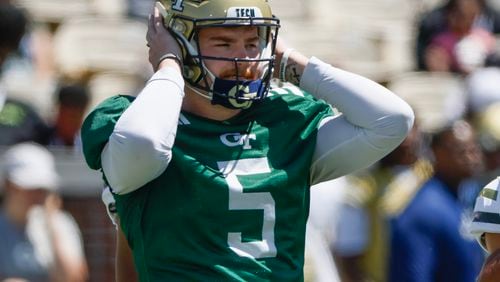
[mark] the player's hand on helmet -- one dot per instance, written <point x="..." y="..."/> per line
<point x="281" y="47"/>
<point x="161" y="43"/>
<point x="292" y="57"/>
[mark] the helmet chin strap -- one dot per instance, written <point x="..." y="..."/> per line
<point x="205" y="94"/>
<point x="199" y="92"/>
<point x="220" y="100"/>
<point x="232" y="94"/>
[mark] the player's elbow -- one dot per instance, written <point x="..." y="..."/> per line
<point x="401" y="122"/>
<point x="391" y="130"/>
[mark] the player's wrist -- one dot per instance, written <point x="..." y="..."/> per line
<point x="283" y="63"/>
<point x="169" y="60"/>
<point x="292" y="65"/>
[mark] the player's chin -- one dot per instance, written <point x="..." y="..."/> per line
<point x="491" y="268"/>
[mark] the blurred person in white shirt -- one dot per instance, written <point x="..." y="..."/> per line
<point x="40" y="242"/>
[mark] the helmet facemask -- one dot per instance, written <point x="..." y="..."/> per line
<point x="241" y="92"/>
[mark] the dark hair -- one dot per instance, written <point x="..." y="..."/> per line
<point x="73" y="95"/>
<point x="457" y="127"/>
<point x="13" y="24"/>
<point x="437" y="138"/>
<point x="493" y="59"/>
<point x="453" y="3"/>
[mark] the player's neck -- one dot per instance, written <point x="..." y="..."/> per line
<point x="201" y="106"/>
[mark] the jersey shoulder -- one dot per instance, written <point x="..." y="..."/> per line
<point x="98" y="126"/>
<point x="290" y="92"/>
<point x="289" y="98"/>
<point x="286" y="89"/>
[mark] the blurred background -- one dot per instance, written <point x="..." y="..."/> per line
<point x="73" y="54"/>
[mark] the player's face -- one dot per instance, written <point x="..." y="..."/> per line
<point x="20" y="200"/>
<point x="231" y="42"/>
<point x="460" y="154"/>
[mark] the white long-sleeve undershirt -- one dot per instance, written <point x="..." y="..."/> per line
<point x="373" y="122"/>
<point x="140" y="147"/>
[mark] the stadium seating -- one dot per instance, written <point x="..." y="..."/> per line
<point x="91" y="45"/>
<point x="437" y="98"/>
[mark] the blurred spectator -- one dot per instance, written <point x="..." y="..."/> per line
<point x="362" y="244"/>
<point x="482" y="89"/>
<point x="32" y="51"/>
<point x="474" y="16"/>
<point x="484" y="113"/>
<point x="71" y="106"/>
<point x="39" y="241"/>
<point x="140" y="8"/>
<point x="12" y="28"/>
<point x="430" y="238"/>
<point x="325" y="203"/>
<point x="18" y="121"/>
<point x="488" y="128"/>
<point x="493" y="59"/>
<point x="463" y="45"/>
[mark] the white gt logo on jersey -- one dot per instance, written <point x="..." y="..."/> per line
<point x="237" y="139"/>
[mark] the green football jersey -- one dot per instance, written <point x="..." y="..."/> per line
<point x="233" y="203"/>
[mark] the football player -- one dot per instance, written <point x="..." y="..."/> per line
<point x="486" y="227"/>
<point x="210" y="168"/>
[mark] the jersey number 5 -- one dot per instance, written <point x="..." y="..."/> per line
<point x="238" y="200"/>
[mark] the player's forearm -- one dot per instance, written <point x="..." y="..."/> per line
<point x="139" y="149"/>
<point x="362" y="101"/>
<point x="374" y="120"/>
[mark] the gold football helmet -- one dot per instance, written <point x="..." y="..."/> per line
<point x="184" y="18"/>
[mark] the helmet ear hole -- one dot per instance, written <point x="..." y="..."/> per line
<point x="188" y="73"/>
<point x="179" y="26"/>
